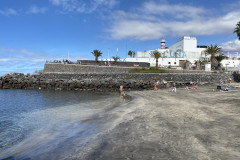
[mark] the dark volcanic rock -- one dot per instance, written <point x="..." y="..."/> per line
<point x="103" y="81"/>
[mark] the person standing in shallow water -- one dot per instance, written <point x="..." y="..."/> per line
<point x="122" y="94"/>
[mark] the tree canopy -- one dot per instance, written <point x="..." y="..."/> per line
<point x="96" y="53"/>
<point x="131" y="53"/>
<point x="213" y="51"/>
<point x="237" y="30"/>
<point x="156" y="55"/>
<point x="219" y="59"/>
<point x="116" y="58"/>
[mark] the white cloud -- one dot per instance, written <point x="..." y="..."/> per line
<point x="82" y="6"/>
<point x="179" y="11"/>
<point x="8" y="12"/>
<point x="153" y="20"/>
<point x="233" y="45"/>
<point x="37" y="10"/>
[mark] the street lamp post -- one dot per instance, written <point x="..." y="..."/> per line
<point x="226" y="66"/>
<point x="108" y="54"/>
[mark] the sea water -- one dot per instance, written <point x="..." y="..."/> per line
<point x="50" y="124"/>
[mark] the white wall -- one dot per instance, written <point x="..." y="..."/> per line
<point x="161" y="61"/>
<point x="234" y="63"/>
<point x="201" y="53"/>
<point x="177" y="46"/>
<point x="189" y="44"/>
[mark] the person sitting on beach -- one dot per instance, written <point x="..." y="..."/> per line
<point x="122" y="94"/>
<point x="195" y="86"/>
<point x="197" y="82"/>
<point x="168" y="84"/>
<point x="187" y="88"/>
<point x="228" y="88"/>
<point x="191" y="82"/>
<point x="230" y="80"/>
<point x="221" y="82"/>
<point x="155" y="85"/>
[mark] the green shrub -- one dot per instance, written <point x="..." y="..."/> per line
<point x="145" y="70"/>
<point x="127" y="78"/>
<point x="157" y="78"/>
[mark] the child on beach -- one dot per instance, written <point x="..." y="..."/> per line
<point x="195" y="85"/>
<point x="221" y="82"/>
<point x="228" y="88"/>
<point x="168" y="84"/>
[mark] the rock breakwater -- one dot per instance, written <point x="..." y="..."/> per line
<point x="69" y="82"/>
<point x="100" y="81"/>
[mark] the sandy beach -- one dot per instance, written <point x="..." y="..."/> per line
<point x="190" y="124"/>
<point x="202" y="124"/>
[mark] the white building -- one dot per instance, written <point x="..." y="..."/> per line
<point x="185" y="49"/>
<point x="231" y="64"/>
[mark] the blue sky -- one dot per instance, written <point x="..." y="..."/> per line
<point x="33" y="31"/>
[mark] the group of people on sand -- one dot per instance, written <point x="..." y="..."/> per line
<point x="172" y="85"/>
<point x="168" y="85"/>
<point x="222" y="82"/>
<point x="194" y="85"/>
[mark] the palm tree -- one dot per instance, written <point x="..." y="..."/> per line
<point x="96" y="53"/>
<point x="200" y="62"/>
<point x="219" y="58"/>
<point x="156" y="55"/>
<point x="213" y="50"/>
<point x="131" y="53"/>
<point x="116" y="58"/>
<point x="237" y="30"/>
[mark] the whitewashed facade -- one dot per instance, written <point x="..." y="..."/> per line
<point x="185" y="49"/>
<point x="231" y="64"/>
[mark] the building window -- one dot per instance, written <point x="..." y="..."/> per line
<point x="169" y="62"/>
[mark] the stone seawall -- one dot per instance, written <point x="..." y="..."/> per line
<point x="101" y="81"/>
<point x="82" y="69"/>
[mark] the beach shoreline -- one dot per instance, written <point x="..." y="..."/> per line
<point x="158" y="124"/>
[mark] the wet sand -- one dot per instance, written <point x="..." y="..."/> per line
<point x="195" y="124"/>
